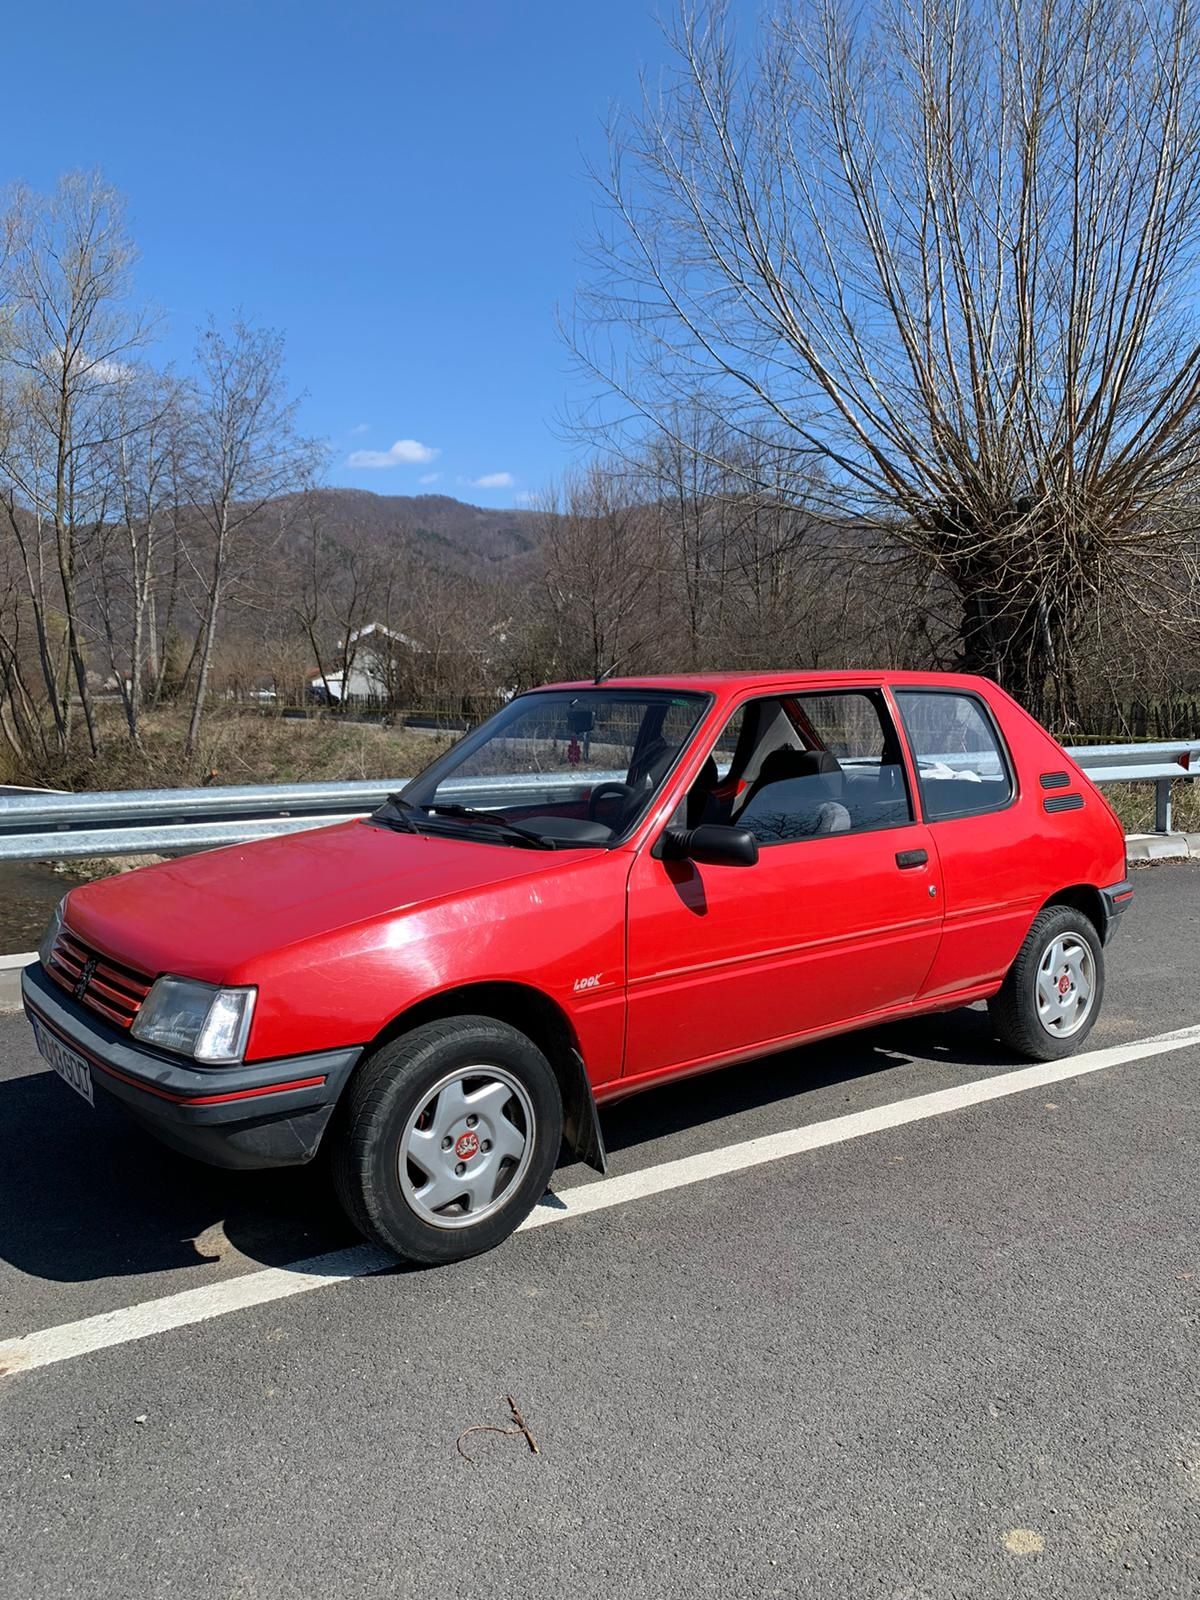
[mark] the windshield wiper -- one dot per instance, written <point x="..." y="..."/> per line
<point x="469" y="814"/>
<point x="392" y="814"/>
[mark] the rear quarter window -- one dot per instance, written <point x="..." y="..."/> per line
<point x="962" y="765"/>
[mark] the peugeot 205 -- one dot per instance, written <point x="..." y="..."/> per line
<point x="604" y="887"/>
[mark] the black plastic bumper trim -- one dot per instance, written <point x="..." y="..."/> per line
<point x="272" y="1123"/>
<point x="1117" y="899"/>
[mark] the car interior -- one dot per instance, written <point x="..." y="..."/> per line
<point x="600" y="811"/>
<point x="785" y="782"/>
<point x="784" y="768"/>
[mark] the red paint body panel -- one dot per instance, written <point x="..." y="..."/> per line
<point x="818" y="932"/>
<point x="658" y="967"/>
<point x="999" y="869"/>
<point x="217" y="915"/>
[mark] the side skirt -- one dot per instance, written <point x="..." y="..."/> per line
<point x="609" y="1093"/>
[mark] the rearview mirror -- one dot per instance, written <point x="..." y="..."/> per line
<point x="712" y="844"/>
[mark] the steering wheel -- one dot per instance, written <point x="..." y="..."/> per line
<point x="606" y="791"/>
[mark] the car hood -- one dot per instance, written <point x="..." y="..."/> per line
<point x="209" y="915"/>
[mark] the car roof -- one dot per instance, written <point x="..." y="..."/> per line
<point x="724" y="683"/>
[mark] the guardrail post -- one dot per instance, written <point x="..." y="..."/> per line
<point x="1162" y="806"/>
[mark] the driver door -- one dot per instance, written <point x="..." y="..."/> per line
<point x="823" y="932"/>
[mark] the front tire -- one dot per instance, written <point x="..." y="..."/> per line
<point x="1052" y="993"/>
<point x="447" y="1139"/>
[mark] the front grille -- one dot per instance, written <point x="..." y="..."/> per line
<point x="115" y="991"/>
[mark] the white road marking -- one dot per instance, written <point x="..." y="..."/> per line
<point x="181" y="1310"/>
<point x="192" y="1305"/>
<point x="793" y="1141"/>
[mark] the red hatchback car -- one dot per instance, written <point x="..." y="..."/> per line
<point x="741" y="863"/>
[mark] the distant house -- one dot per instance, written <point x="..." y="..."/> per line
<point x="376" y="656"/>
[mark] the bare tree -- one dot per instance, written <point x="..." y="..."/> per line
<point x="245" y="452"/>
<point x="338" y="588"/>
<point x="69" y="334"/>
<point x="136" y="548"/>
<point x="782" y="562"/>
<point x="681" y="473"/>
<point x="444" y="624"/>
<point x="949" y="252"/>
<point x="598" y="557"/>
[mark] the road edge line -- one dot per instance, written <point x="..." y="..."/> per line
<point x="127" y="1324"/>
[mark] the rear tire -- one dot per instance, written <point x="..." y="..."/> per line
<point x="447" y="1139"/>
<point x="1052" y="993"/>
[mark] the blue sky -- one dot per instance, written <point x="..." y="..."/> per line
<point x="399" y="187"/>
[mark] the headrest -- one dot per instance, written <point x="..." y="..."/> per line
<point x="789" y="762"/>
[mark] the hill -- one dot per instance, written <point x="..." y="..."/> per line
<point x="462" y="537"/>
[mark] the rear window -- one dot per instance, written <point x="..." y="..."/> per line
<point x="962" y="766"/>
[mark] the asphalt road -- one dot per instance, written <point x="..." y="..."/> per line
<point x="958" y="1358"/>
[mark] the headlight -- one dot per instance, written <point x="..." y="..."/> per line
<point x="50" y="937"/>
<point x="196" y="1019"/>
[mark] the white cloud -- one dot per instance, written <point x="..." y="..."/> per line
<point x="404" y="453"/>
<point x="359" y="429"/>
<point x="429" y="477"/>
<point x="105" y="371"/>
<point x="526" y="497"/>
<point x="493" y="480"/>
<point x="95" y="369"/>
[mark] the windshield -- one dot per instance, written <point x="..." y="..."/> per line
<point x="555" y="768"/>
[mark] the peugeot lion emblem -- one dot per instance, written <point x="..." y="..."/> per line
<point x="85" y="977"/>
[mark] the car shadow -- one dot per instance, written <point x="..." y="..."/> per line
<point x="962" y="1037"/>
<point x="85" y="1194"/>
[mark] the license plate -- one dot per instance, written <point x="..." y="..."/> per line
<point x="71" y="1068"/>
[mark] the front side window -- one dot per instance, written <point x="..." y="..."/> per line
<point x="961" y="764"/>
<point x="556" y="768"/>
<point x="805" y="766"/>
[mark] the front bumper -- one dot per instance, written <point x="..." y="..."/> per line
<point x="260" y="1114"/>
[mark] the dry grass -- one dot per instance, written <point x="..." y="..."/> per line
<point x="1134" y="804"/>
<point x="238" y="746"/>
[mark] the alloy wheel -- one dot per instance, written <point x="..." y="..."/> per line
<point x="467" y="1146"/>
<point x="1065" y="989"/>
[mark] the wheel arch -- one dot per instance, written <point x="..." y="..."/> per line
<point x="545" y="1023"/>
<point x="1086" y="899"/>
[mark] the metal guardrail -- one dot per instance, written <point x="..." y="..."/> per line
<point x="55" y="826"/>
<point x="142" y="821"/>
<point x="66" y="827"/>
<point x="1160" y="764"/>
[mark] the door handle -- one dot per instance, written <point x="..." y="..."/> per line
<point x="911" y="858"/>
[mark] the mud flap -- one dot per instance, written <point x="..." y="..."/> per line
<point x="581" y="1120"/>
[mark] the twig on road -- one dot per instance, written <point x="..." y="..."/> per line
<point x="522" y="1427"/>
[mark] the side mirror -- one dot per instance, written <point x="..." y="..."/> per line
<point x="712" y="844"/>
